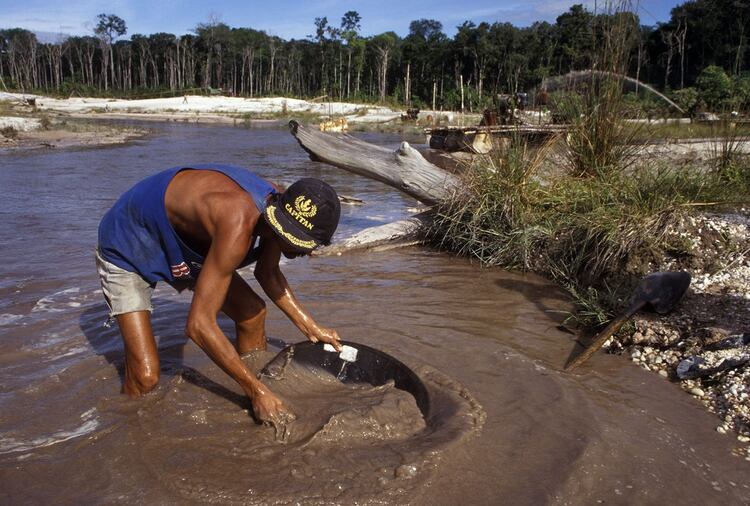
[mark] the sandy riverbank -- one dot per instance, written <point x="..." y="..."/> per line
<point x="197" y="109"/>
<point x="18" y="132"/>
<point x="208" y="109"/>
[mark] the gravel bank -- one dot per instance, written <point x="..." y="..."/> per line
<point x="704" y="344"/>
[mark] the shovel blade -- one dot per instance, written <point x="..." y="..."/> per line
<point x="661" y="291"/>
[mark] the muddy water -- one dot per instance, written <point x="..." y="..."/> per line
<point x="507" y="426"/>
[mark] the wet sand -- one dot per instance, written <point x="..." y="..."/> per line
<point x="486" y="339"/>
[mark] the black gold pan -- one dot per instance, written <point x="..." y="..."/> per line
<point x="357" y="363"/>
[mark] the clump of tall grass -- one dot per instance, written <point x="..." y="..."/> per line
<point x="730" y="158"/>
<point x="595" y="236"/>
<point x="599" y="140"/>
<point x="491" y="218"/>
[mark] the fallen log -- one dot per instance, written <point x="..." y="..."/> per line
<point x="404" y="169"/>
<point x="399" y="233"/>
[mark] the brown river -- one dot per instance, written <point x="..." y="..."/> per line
<point x="505" y="424"/>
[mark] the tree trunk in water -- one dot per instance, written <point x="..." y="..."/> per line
<point x="391" y="235"/>
<point x="405" y="169"/>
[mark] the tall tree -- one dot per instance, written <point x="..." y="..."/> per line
<point x="108" y="28"/>
<point x="423" y="53"/>
<point x="575" y="32"/>
<point x="350" y="26"/>
<point x="321" y="28"/>
<point x="384" y="45"/>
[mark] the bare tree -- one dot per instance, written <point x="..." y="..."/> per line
<point x="383" y="45"/>
<point x="680" y="35"/>
<point x="273" y="48"/>
<point x="668" y="39"/>
<point x="350" y="25"/>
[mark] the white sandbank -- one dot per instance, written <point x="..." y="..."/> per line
<point x="196" y="104"/>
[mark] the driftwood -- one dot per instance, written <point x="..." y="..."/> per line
<point x="405" y="169"/>
<point x="391" y="235"/>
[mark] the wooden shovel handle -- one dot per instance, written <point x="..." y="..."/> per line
<point x="605" y="334"/>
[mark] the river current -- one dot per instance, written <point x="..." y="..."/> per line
<point x="506" y="425"/>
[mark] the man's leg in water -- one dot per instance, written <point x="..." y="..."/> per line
<point x="141" y="355"/>
<point x="128" y="297"/>
<point x="248" y="311"/>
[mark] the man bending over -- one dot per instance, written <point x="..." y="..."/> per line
<point x="193" y="227"/>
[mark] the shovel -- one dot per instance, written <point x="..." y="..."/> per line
<point x="661" y="291"/>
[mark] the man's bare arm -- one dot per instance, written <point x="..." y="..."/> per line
<point x="275" y="285"/>
<point x="230" y="242"/>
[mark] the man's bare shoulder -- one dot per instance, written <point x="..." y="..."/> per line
<point x="232" y="206"/>
<point x="211" y="199"/>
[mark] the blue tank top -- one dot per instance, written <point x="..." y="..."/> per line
<point x="136" y="235"/>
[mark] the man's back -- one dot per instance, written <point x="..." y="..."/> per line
<point x="198" y="199"/>
<point x="141" y="235"/>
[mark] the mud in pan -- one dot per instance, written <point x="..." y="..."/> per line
<point x="360" y="364"/>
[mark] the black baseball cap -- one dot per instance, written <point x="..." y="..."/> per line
<point x="306" y="215"/>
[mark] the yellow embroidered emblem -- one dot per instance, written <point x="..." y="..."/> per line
<point x="305" y="207"/>
<point x="271" y="214"/>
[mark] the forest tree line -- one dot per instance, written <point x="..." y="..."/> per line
<point x="423" y="68"/>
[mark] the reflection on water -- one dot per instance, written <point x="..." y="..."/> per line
<point x="610" y="433"/>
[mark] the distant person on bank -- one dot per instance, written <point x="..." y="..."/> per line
<point x="193" y="227"/>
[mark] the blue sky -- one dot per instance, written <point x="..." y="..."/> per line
<point x="286" y="18"/>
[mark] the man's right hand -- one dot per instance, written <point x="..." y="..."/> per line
<point x="328" y="336"/>
<point x="270" y="409"/>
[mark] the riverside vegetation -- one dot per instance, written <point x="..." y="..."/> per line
<point x="595" y="212"/>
